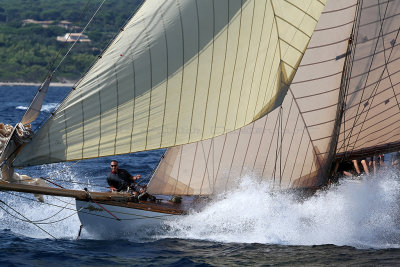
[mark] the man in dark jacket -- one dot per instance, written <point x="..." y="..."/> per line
<point x="120" y="179"/>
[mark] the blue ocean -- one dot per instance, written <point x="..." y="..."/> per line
<point x="354" y="223"/>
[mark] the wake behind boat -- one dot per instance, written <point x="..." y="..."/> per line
<point x="279" y="89"/>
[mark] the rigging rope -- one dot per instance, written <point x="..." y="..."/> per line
<point x="50" y="73"/>
<point x="64" y="170"/>
<point x="1" y="201"/>
<point x="278" y="151"/>
<point x="358" y="115"/>
<point x="41" y="220"/>
<point x="373" y="93"/>
<point x="35" y="200"/>
<point x="65" y="43"/>
<point x="45" y="219"/>
<point x="89" y="213"/>
<point x="69" y="50"/>
<point x="98" y="204"/>
<point x="94" y="61"/>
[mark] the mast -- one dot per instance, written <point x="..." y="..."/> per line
<point x="349" y="55"/>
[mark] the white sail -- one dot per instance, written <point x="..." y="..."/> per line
<point x="291" y="145"/>
<point x="37" y="102"/>
<point x="370" y="123"/>
<point x="180" y="71"/>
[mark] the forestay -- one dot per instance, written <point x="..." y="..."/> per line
<point x="180" y="71"/>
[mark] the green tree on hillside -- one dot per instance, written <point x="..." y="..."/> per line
<point x="27" y="50"/>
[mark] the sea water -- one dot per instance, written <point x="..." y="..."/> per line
<point x="353" y="223"/>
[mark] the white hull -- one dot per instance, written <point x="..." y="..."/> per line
<point x="98" y="221"/>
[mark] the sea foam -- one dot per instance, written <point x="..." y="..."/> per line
<point x="355" y="213"/>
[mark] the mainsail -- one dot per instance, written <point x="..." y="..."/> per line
<point x="371" y="117"/>
<point x="179" y="72"/>
<point x="292" y="145"/>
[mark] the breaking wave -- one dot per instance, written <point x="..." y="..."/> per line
<point x="45" y="108"/>
<point x="22" y="214"/>
<point x="362" y="214"/>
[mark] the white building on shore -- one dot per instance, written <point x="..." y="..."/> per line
<point x="72" y="37"/>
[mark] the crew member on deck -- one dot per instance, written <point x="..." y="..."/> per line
<point x="120" y="179"/>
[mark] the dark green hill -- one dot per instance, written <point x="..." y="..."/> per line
<point x="27" y="50"/>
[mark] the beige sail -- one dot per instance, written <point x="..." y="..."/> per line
<point x="180" y="71"/>
<point x="289" y="146"/>
<point x="37" y="102"/>
<point x="370" y="123"/>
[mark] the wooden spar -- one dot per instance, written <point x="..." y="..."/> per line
<point x="376" y="150"/>
<point x="110" y="198"/>
<point x="78" y="194"/>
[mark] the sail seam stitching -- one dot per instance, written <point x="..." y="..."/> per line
<point x="270" y="145"/>
<point x="372" y="107"/>
<point x="373" y="84"/>
<point x="298" y="149"/>
<point x="244" y="70"/>
<point x="100" y="120"/>
<point x="234" y="66"/>
<point x="380" y="129"/>
<point x="183" y="71"/>
<point x="255" y="64"/>
<point x="377" y="85"/>
<point x="83" y="126"/>
<point x="179" y="170"/>
<point x="117" y="110"/>
<point x="304" y="121"/>
<point x="291" y="140"/>
<point x="374" y="139"/>
<point x="263" y="68"/>
<point x="302" y="11"/>
<point x="206" y="166"/>
<point x="223" y="72"/>
<point x="211" y="70"/>
<point x="247" y="148"/>
<point x="146" y="34"/>
<point x="233" y="156"/>
<point x="167" y="73"/>
<point x="134" y="101"/>
<point x="366" y="80"/>
<point x="340" y="9"/>
<point x="259" y="143"/>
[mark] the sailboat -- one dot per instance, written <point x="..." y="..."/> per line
<point x="281" y="90"/>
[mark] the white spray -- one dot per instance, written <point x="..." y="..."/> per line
<point x="56" y="218"/>
<point x="356" y="213"/>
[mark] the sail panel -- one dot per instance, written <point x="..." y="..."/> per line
<point x="180" y="72"/>
<point x="290" y="146"/>
<point x="34" y="109"/>
<point x="372" y="102"/>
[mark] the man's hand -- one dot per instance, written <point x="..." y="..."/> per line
<point x="136" y="177"/>
<point x="113" y="189"/>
